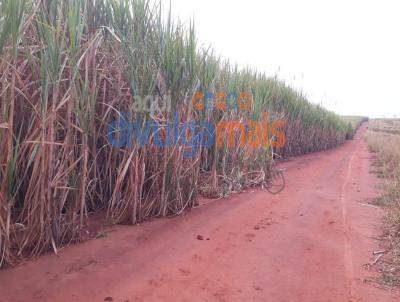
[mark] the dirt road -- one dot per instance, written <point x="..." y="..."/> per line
<point x="308" y="243"/>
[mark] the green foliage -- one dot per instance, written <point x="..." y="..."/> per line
<point x="70" y="67"/>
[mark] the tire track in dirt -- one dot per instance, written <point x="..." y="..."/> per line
<point x="348" y="254"/>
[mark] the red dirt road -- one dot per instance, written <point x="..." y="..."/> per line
<point x="308" y="243"/>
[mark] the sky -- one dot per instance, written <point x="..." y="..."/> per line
<point x="342" y="54"/>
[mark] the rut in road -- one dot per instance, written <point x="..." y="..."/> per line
<point x="309" y="243"/>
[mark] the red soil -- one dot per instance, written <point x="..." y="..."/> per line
<point x="308" y="243"/>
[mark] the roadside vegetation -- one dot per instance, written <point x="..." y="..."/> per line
<point x="383" y="138"/>
<point x="354" y="122"/>
<point x="68" y="68"/>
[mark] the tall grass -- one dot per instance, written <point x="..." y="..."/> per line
<point x="354" y="122"/>
<point x="70" y="67"/>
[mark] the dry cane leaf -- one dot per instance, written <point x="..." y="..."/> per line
<point x="3" y="126"/>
